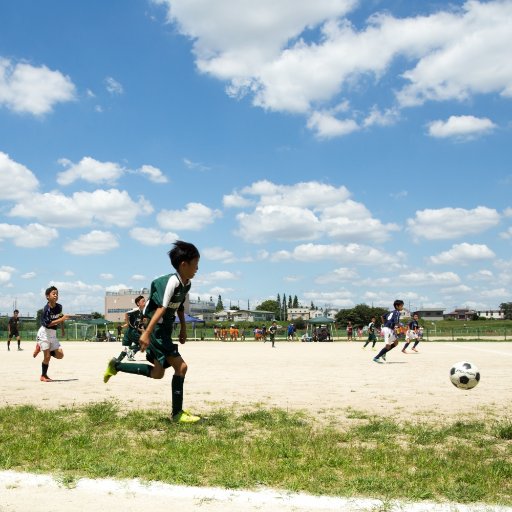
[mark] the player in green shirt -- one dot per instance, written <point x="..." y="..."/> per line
<point x="134" y="322"/>
<point x="166" y="298"/>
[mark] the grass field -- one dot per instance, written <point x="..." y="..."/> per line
<point x="316" y="418"/>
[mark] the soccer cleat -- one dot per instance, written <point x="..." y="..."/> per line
<point x="110" y="371"/>
<point x="405" y="351"/>
<point x="374" y="349"/>
<point x="185" y="417"/>
<point x="19" y="349"/>
<point x="377" y="360"/>
<point x="36" y="350"/>
<point x="414" y="350"/>
<point x="383" y="357"/>
<point x="45" y="378"/>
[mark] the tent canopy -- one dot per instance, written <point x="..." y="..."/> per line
<point x="189" y="320"/>
<point x="320" y="320"/>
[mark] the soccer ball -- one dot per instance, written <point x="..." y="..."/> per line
<point x="464" y="375"/>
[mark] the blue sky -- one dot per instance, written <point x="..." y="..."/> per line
<point x="342" y="151"/>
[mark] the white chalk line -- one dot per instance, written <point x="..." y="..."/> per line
<point x="489" y="351"/>
<point x="10" y="479"/>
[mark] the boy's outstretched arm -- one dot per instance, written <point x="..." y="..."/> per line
<point x="183" y="330"/>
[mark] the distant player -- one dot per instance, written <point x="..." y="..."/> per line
<point x="134" y="323"/>
<point x="372" y="337"/>
<point x="272" y="330"/>
<point x="166" y="300"/>
<point x="13" y="330"/>
<point x="389" y="322"/>
<point x="47" y="341"/>
<point x="413" y="333"/>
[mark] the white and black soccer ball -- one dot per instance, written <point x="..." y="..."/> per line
<point x="464" y="375"/>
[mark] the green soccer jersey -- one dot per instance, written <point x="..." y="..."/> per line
<point x="135" y="318"/>
<point x="170" y="292"/>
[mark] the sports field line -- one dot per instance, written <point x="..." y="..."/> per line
<point x="489" y="351"/>
<point x="229" y="500"/>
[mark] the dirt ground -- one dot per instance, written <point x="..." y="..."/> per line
<point x="328" y="380"/>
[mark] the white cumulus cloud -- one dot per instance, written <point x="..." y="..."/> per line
<point x="153" y="174"/>
<point x="94" y="242"/>
<point x="152" y="236"/>
<point x="304" y="57"/>
<point x="16" y="180"/>
<point x="460" y="127"/>
<point x="194" y="217"/>
<point x="462" y="254"/>
<point x="29" y="236"/>
<point x="446" y="223"/>
<point x="33" y="90"/>
<point x="91" y="170"/>
<point x="110" y="207"/>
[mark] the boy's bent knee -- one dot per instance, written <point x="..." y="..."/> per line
<point x="157" y="373"/>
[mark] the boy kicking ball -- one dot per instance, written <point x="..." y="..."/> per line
<point x="166" y="299"/>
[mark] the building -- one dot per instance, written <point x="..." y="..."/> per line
<point x="461" y="314"/>
<point x="202" y="309"/>
<point x="431" y="314"/>
<point x="492" y="314"/>
<point x="304" y="313"/>
<point x="118" y="303"/>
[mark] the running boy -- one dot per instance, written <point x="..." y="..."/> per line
<point x="134" y="321"/>
<point x="13" y="330"/>
<point x="371" y="334"/>
<point x="47" y="334"/>
<point x="389" y="322"/>
<point x="166" y="299"/>
<point x="412" y="333"/>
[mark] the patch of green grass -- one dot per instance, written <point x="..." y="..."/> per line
<point x="463" y="461"/>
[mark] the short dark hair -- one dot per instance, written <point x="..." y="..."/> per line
<point x="15" y="311"/>
<point x="397" y="303"/>
<point x="137" y="299"/>
<point x="50" y="290"/>
<point x="182" y="251"/>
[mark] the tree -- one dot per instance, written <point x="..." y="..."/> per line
<point x="280" y="317"/>
<point x="219" y="306"/>
<point x="295" y="302"/>
<point x="506" y="307"/>
<point x="269" y="305"/>
<point x="360" y="315"/>
<point x="96" y="315"/>
<point x="290" y="304"/>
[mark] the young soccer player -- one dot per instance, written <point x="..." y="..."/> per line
<point x="389" y="322"/>
<point x="272" y="332"/>
<point x="166" y="299"/>
<point x="372" y="338"/>
<point x="47" y="334"/>
<point x="412" y="334"/>
<point x="13" y="330"/>
<point x="134" y="322"/>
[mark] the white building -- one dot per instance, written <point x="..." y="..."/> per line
<point x="118" y="303"/>
<point x="492" y="314"/>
